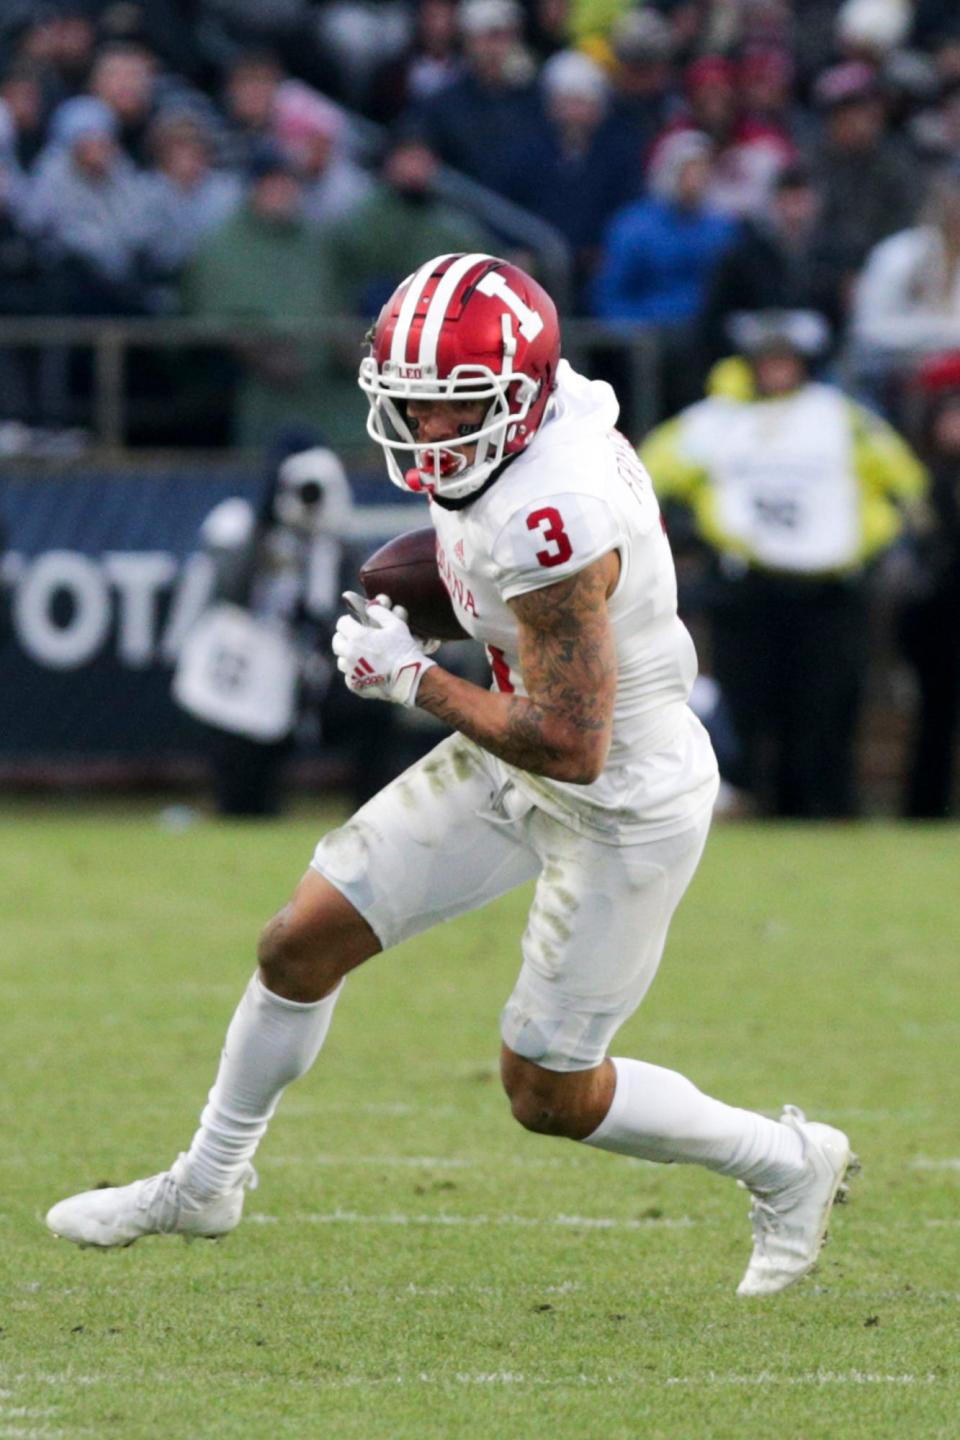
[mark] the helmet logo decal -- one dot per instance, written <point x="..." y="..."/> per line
<point x="531" y="321"/>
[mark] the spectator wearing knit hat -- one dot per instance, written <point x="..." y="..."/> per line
<point x="658" y="257"/>
<point x="659" y="253"/>
<point x="573" y="171"/>
<point x="84" y="203"/>
<point x="311" y="131"/>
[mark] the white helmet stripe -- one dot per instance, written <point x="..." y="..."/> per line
<point x="398" y="346"/>
<point x="438" y="306"/>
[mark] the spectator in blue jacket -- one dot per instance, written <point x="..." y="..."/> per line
<point x="659" y="256"/>
<point x="660" y="253"/>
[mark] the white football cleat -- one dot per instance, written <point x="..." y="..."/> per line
<point x="790" y="1224"/>
<point x="160" y="1205"/>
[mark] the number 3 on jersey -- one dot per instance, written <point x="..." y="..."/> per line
<point x="549" y="522"/>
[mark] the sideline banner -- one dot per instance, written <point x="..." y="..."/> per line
<point x="101" y="580"/>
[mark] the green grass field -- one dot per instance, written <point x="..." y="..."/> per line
<point x="413" y="1264"/>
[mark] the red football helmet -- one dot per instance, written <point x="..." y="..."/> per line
<point x="462" y="327"/>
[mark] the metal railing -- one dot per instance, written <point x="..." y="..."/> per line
<point x="105" y="411"/>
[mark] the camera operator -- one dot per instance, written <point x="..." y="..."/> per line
<point x="255" y="669"/>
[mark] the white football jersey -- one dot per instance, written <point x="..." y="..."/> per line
<point x="575" y="494"/>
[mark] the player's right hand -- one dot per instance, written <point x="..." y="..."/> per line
<point x="379" y="658"/>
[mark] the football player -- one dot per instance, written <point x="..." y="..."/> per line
<point x="581" y="768"/>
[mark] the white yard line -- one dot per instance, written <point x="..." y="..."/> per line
<point x="59" y="1377"/>
<point x="712" y="1379"/>
<point x="444" y="1220"/>
<point x="315" y="1110"/>
<point x="814" y="1377"/>
<point x="428" y="1162"/>
<point x="854" y="1112"/>
<point x="28" y="1432"/>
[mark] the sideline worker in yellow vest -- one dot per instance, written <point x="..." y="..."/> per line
<point x="795" y="489"/>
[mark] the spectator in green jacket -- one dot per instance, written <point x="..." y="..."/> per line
<point x="267" y="267"/>
<point x="401" y="224"/>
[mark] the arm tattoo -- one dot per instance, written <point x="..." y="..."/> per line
<point x="567" y="657"/>
<point x="566" y="649"/>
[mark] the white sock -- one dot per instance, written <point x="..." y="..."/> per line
<point x="270" y="1041"/>
<point x="657" y="1114"/>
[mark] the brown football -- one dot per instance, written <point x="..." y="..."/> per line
<point x="406" y="570"/>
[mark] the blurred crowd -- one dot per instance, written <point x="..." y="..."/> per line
<point x="264" y="163"/>
<point x="245" y="161"/>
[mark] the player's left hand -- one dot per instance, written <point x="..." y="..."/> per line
<point x="378" y="656"/>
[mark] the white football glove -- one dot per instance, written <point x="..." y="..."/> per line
<point x="429" y="647"/>
<point x="378" y="656"/>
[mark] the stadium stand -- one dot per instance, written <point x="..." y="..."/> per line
<point x="132" y="137"/>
